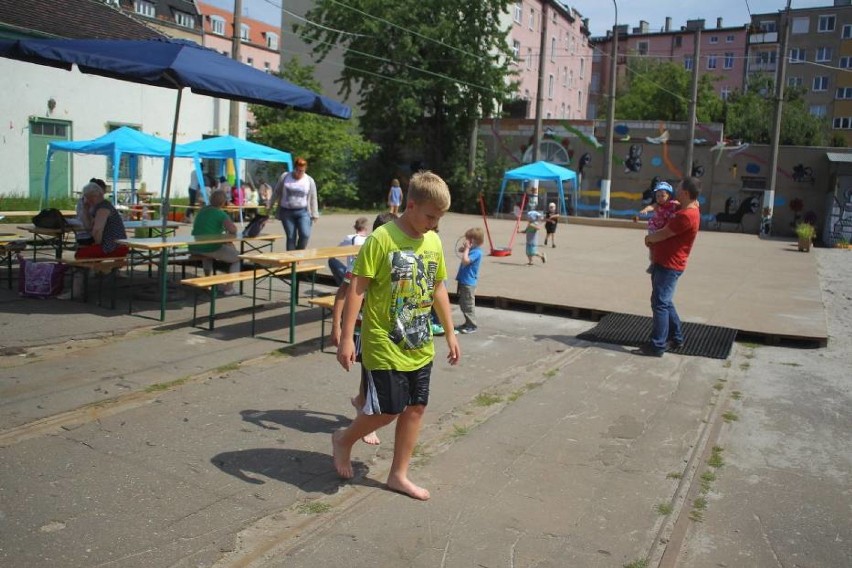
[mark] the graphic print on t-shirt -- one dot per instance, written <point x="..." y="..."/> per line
<point x="412" y="282"/>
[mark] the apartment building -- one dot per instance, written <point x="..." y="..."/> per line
<point x="819" y="58"/>
<point x="722" y="54"/>
<point x="567" y="62"/>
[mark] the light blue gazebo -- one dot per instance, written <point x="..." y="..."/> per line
<point x="542" y="171"/>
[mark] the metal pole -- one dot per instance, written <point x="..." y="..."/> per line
<point x="236" y="40"/>
<point x="693" y="103"/>
<point x="769" y="196"/>
<point x="610" y="119"/>
<point x="539" y="102"/>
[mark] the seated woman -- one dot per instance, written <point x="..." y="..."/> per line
<point x="106" y="226"/>
<point x="213" y="221"/>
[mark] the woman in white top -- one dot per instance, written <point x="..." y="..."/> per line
<point x="294" y="202"/>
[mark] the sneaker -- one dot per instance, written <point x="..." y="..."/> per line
<point x="543" y="258"/>
<point x="648" y="350"/>
<point x="468" y="329"/>
<point x="437" y="329"/>
<point x="553" y="245"/>
<point x="675" y="344"/>
<point x="228" y="292"/>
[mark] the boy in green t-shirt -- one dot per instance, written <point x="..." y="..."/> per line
<point x="402" y="266"/>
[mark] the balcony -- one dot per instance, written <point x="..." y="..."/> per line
<point x="765" y="37"/>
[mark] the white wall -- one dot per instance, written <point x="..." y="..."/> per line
<point x="90" y="103"/>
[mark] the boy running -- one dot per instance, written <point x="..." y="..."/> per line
<point x="402" y="266"/>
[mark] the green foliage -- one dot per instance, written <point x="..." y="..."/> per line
<point x="333" y="148"/>
<point x="805" y="231"/>
<point x="748" y="116"/>
<point x="422" y="81"/>
<point x="661" y="91"/>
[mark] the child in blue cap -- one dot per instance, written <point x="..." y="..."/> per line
<point x="664" y="208"/>
<point x="531" y="230"/>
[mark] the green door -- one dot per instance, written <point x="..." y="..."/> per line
<point x="42" y="132"/>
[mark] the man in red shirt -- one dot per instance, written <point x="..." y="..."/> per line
<point x="670" y="248"/>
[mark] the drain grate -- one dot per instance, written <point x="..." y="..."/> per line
<point x="699" y="340"/>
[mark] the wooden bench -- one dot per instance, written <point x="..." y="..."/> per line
<point x="326" y="303"/>
<point x="104" y="267"/>
<point x="213" y="281"/>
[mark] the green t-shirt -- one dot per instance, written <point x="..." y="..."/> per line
<point x="210" y="221"/>
<point x="395" y="330"/>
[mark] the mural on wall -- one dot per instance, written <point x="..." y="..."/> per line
<point x="633" y="161"/>
<point x="585" y="160"/>
<point x="735" y="211"/>
<point x="803" y="174"/>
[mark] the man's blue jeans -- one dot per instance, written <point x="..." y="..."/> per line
<point x="666" y="321"/>
<point x="297" y="227"/>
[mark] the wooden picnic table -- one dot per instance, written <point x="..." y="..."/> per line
<point x="7" y="252"/>
<point x="271" y="263"/>
<point x="149" y="248"/>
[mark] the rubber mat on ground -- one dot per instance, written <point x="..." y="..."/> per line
<point x="699" y="340"/>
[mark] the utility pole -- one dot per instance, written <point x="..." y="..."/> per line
<point x="539" y="102"/>
<point x="610" y="119"/>
<point x="236" y="40"/>
<point x="769" y="195"/>
<point x="693" y="103"/>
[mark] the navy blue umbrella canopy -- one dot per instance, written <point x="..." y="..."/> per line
<point x="174" y="64"/>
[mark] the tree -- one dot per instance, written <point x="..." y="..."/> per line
<point x="661" y="91"/>
<point x="748" y="116"/>
<point x="423" y="72"/>
<point x="333" y="147"/>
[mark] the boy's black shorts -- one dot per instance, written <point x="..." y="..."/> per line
<point x="388" y="391"/>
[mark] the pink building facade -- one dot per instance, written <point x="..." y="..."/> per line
<point x="567" y="62"/>
<point x="260" y="41"/>
<point x="722" y="54"/>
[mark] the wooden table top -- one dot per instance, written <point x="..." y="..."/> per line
<point x="158" y="243"/>
<point x="285" y="258"/>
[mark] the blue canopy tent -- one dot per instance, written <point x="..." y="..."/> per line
<point x="225" y="147"/>
<point x="123" y="141"/>
<point x="542" y="171"/>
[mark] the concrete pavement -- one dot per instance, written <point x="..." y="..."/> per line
<point x="162" y="445"/>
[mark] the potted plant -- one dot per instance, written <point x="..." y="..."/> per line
<point x="806" y="233"/>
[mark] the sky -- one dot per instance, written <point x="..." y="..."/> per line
<point x="601" y="12"/>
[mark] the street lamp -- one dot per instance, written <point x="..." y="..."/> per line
<point x="610" y="120"/>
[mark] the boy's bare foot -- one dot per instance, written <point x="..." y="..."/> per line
<point x="372" y="438"/>
<point x="340" y="453"/>
<point x="405" y="487"/>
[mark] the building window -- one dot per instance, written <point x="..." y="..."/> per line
<point x="678" y="41"/>
<point x="823" y="54"/>
<point x="820" y="83"/>
<point x="563" y="111"/>
<point x="825" y="24"/>
<point x="582" y="68"/>
<point x="794" y="82"/>
<point x="847" y="31"/>
<point x="267" y="67"/>
<point x="124" y="161"/>
<point x="571" y="78"/>
<point x="144" y="8"/>
<point x="726" y="92"/>
<point x="572" y="45"/>
<point x="797" y="55"/>
<point x="714" y="39"/>
<point x="846" y="62"/>
<point x="529" y="58"/>
<point x="768" y="26"/>
<point x="516" y="50"/>
<point x="844" y="123"/>
<point x="250" y="61"/>
<point x="532" y="18"/>
<point x="272" y="40"/>
<point x="843" y="93"/>
<point x="729" y="39"/>
<point x="818" y="110"/>
<point x="550" y="86"/>
<point x="245" y="32"/>
<point x="184" y="20"/>
<point x="800" y="25"/>
<point x="564" y="76"/>
<point x="642" y="48"/>
<point x="711" y="62"/>
<point x="579" y="99"/>
<point x="519" y="12"/>
<point x="217" y="25"/>
<point x="553" y="48"/>
<point x="729" y="61"/>
<point x="687" y="62"/>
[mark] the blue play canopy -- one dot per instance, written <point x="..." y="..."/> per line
<point x="123" y="141"/>
<point x="541" y="171"/>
